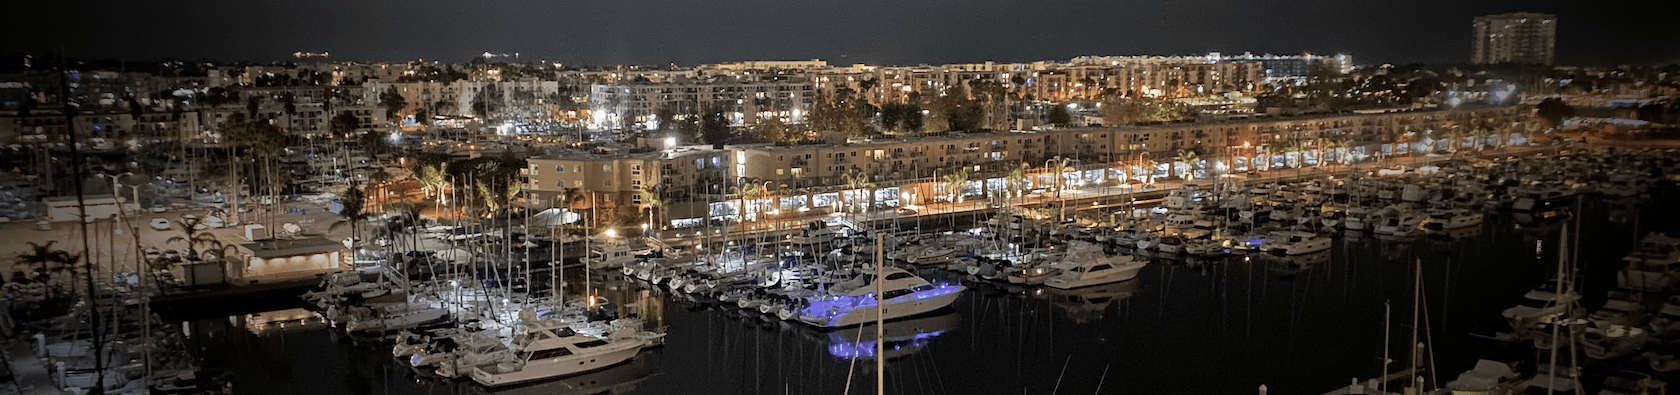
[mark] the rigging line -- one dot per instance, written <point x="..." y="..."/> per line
<point x="1101" y="379"/>
<point x="853" y="368"/>
<point x="1058" y="386"/>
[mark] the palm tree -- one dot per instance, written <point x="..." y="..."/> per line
<point x="1016" y="180"/>
<point x="48" y="259"/>
<point x="569" y="198"/>
<point x="1056" y="170"/>
<point x="1292" y="153"/>
<point x="351" y="213"/>
<point x="1340" y="147"/>
<point x="1189" y="159"/>
<point x="194" y="238"/>
<point x="653" y="198"/>
<point x="747" y="191"/>
<point x="953" y="184"/>
<point x="1149" y="166"/>
<point x="1454" y="138"/>
<point x="855" y="180"/>
<point x="1480" y="134"/>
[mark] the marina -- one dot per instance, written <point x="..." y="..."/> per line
<point x="1316" y="314"/>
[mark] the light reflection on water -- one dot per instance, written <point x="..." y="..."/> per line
<point x="1303" y="324"/>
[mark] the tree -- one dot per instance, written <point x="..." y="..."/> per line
<point x="714" y="129"/>
<point x="1017" y="179"/>
<point x="488" y="101"/>
<point x="433" y="179"/>
<point x="1553" y="111"/>
<point x="48" y="260"/>
<point x="747" y="190"/>
<point x="197" y="241"/>
<point x="351" y="213"/>
<point x="653" y="199"/>
<point x="252" y="104"/>
<point x="773" y="130"/>
<point x="1189" y="159"/>
<point x="393" y="103"/>
<point x="957" y="111"/>
<point x="1058" y="173"/>
<point x="344" y="124"/>
<point x="839" y="111"/>
<point x="1059" y="115"/>
<point x="855" y="180"/>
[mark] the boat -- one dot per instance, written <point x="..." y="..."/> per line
<point x="932" y="255"/>
<point x="1094" y="267"/>
<point x="1651" y="266"/>
<point x="1295" y="243"/>
<point x="1539" y="305"/>
<point x="546" y="351"/>
<point x="1398" y="222"/>
<point x="1451" y="219"/>
<point x="852" y="303"/>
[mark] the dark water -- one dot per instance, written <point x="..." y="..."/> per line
<point x="1300" y="326"/>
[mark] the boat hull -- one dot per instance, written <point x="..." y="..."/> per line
<point x="865" y="314"/>
<point x="492" y="376"/>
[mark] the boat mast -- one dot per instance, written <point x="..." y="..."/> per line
<point x="1386" y="360"/>
<point x="81" y="219"/>
<point x="880" y="339"/>
<point x="1563" y="238"/>
<point x="1417" y="296"/>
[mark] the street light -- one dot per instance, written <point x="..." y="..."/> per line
<point x="115" y="183"/>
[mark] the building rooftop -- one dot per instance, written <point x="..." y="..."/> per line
<point x="279" y="248"/>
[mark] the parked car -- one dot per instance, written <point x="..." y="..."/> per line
<point x="160" y="224"/>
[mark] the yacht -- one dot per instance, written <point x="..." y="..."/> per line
<point x="931" y="255"/>
<point x="1651" y="266"/>
<point x="1539" y="306"/>
<point x="607" y="253"/>
<point x="1398" y="223"/>
<point x="1452" y="219"/>
<point x="1295" y="243"/>
<point x="543" y="352"/>
<point x="853" y="302"/>
<point x="1095" y="267"/>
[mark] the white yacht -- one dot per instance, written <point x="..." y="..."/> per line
<point x="1452" y="219"/>
<point x="931" y="255"/>
<point x="1295" y="243"/>
<point x="1094" y="267"/>
<point x="1652" y="265"/>
<point x="610" y="252"/>
<point x="1398" y="223"/>
<point x="853" y="302"/>
<point x="1538" y="306"/>
<point x="544" y="352"/>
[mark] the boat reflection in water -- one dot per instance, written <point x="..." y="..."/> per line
<point x="1290" y="265"/>
<point x="903" y="337"/>
<point x="275" y="322"/>
<point x="1087" y="304"/>
<point x="619" y="379"/>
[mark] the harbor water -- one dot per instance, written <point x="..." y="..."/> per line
<point x="1299" y="324"/>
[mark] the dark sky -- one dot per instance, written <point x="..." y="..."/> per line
<point x="843" y="32"/>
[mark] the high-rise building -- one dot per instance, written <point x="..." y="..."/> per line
<point x="1518" y="37"/>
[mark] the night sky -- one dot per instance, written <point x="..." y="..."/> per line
<point x="1591" y="33"/>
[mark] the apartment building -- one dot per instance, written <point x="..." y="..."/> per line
<point x="744" y="102"/>
<point x="1518" y="37"/>
<point x="811" y="175"/>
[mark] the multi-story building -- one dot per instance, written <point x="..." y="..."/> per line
<point x="744" y="102"/>
<point x="1518" y="37"/>
<point x="810" y="176"/>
